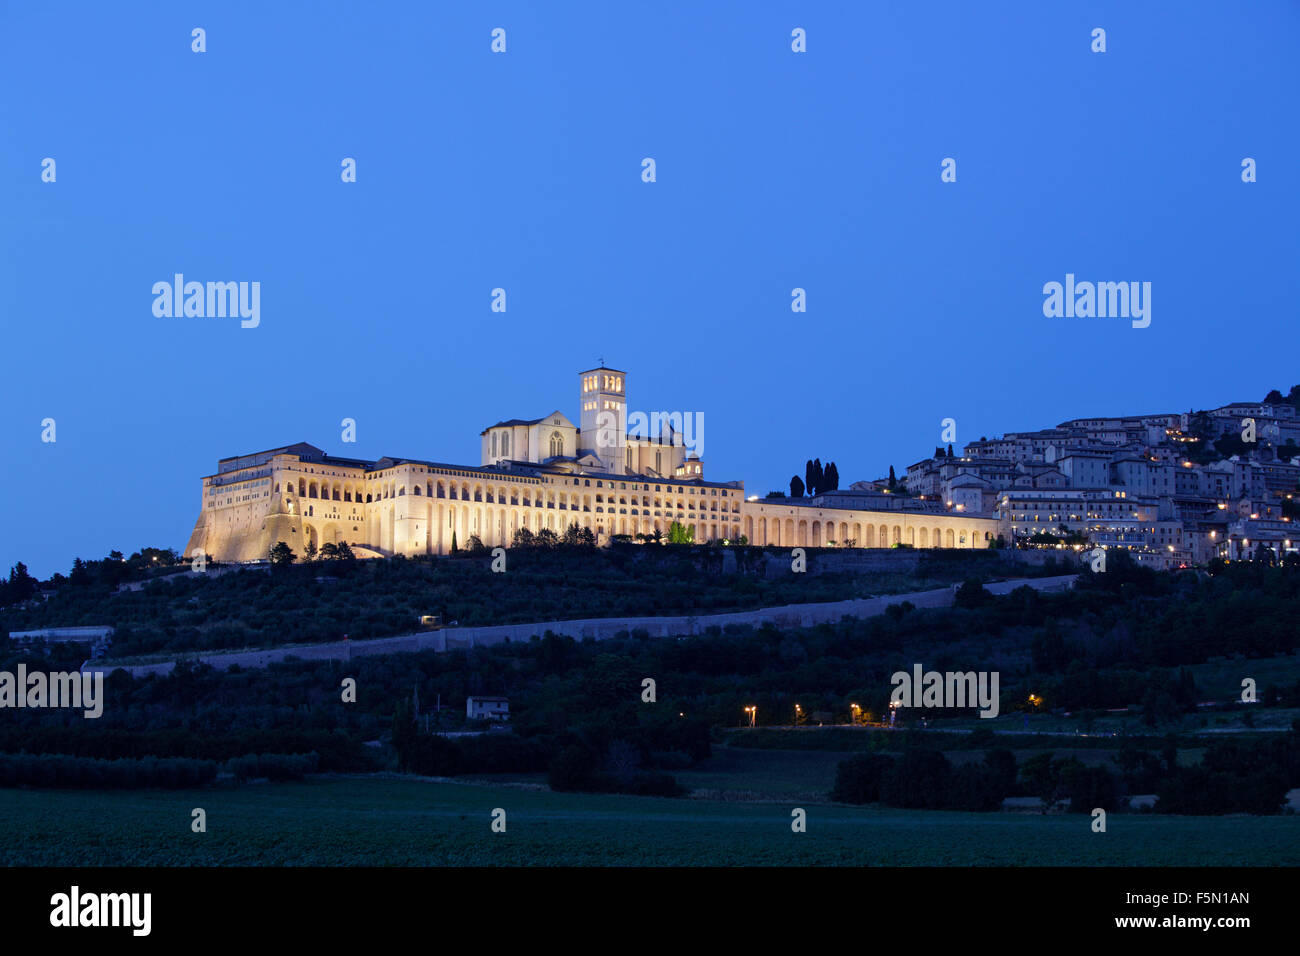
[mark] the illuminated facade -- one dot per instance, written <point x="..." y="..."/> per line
<point x="539" y="474"/>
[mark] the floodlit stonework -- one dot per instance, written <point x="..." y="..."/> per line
<point x="543" y="473"/>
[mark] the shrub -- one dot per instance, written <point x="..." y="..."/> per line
<point x="1200" y="791"/>
<point x="275" y="767"/>
<point x="917" y="780"/>
<point x="858" y="779"/>
<point x="974" y="786"/>
<point x="434" y="756"/>
<point x="1001" y="762"/>
<point x="574" y="768"/>
<point x="972" y="595"/>
<point x="501" y="753"/>
<point x="1089" y="787"/>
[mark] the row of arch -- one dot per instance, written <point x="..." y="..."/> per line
<point x="429" y="529"/>
<point x="790" y="532"/>
<point x="523" y="495"/>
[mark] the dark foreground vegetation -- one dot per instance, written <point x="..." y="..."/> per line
<point x="127" y="773"/>
<point x="327" y="600"/>
<point x="1235" y="776"/>
<point x="580" y="712"/>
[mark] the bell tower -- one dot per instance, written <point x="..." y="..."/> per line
<point x="602" y="396"/>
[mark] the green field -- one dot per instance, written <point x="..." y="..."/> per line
<point x="379" y="821"/>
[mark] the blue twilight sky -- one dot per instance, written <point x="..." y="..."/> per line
<point x="478" y="170"/>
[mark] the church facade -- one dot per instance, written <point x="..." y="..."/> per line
<point x="541" y="474"/>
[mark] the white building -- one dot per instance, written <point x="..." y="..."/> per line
<point x="487" y="708"/>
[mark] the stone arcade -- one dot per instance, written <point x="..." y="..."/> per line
<point x="542" y="473"/>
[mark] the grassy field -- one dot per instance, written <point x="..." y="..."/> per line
<point x="386" y="821"/>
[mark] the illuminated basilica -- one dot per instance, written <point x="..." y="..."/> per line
<point x="541" y="473"/>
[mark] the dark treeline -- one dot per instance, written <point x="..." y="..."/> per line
<point x="816" y="479"/>
<point x="323" y="601"/>
<point x="1118" y="639"/>
<point x="107" y="572"/>
<point x="127" y="773"/>
<point x="1122" y="638"/>
<point x="1234" y="777"/>
<point x="334" y="750"/>
<point x="56" y="770"/>
<point x="923" y="778"/>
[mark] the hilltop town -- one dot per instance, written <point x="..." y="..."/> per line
<point x="1172" y="489"/>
